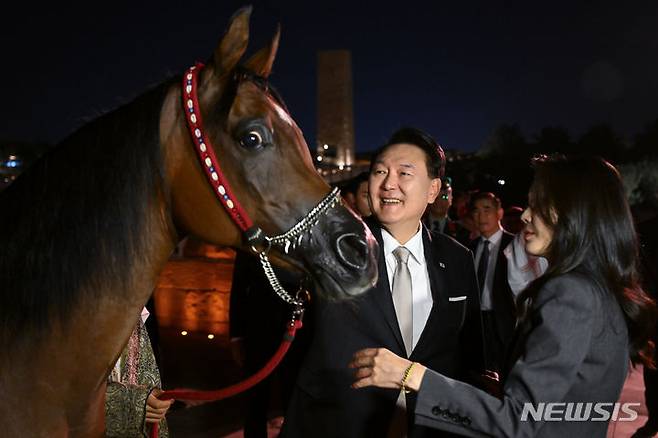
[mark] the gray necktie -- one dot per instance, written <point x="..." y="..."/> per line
<point x="402" y="299"/>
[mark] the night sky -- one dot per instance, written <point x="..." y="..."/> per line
<point x="455" y="69"/>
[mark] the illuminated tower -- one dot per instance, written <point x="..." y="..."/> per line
<point x="335" y="128"/>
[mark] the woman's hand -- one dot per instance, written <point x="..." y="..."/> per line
<point x="156" y="408"/>
<point x="379" y="367"/>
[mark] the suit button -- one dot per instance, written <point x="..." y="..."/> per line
<point x="445" y="414"/>
<point x="436" y="410"/>
<point x="466" y="421"/>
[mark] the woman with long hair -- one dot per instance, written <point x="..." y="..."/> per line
<point x="581" y="322"/>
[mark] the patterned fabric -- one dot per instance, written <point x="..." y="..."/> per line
<point x="133" y="378"/>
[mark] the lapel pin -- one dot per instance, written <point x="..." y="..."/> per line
<point x="442" y="264"/>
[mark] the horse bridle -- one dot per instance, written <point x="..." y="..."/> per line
<point x="254" y="236"/>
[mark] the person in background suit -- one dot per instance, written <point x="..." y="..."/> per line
<point x="466" y="230"/>
<point x="424" y="306"/>
<point x="436" y="217"/>
<point x="496" y="298"/>
<point x="585" y="316"/>
<point x="356" y="194"/>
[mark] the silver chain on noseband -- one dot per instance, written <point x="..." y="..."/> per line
<point x="292" y="238"/>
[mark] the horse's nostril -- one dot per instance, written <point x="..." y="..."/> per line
<point x="352" y="250"/>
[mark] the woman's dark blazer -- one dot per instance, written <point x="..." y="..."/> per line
<point x="572" y="348"/>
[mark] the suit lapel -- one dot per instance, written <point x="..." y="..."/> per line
<point x="436" y="266"/>
<point x="382" y="292"/>
<point x="473" y="245"/>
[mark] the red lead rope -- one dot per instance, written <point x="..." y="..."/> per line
<point x="208" y="396"/>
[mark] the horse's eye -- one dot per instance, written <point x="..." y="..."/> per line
<point x="253" y="134"/>
<point x="251" y="140"/>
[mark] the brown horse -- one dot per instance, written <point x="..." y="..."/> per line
<point x="86" y="230"/>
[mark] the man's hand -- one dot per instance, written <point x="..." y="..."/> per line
<point x="156" y="408"/>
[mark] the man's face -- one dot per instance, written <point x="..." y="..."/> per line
<point x="442" y="203"/>
<point x="487" y="217"/>
<point x="400" y="187"/>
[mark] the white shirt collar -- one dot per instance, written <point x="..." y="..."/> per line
<point x="494" y="238"/>
<point x="414" y="245"/>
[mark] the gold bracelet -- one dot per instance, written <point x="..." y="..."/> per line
<point x="405" y="377"/>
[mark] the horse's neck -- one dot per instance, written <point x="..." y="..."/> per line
<point x="50" y="377"/>
<point x="65" y="372"/>
<point x="114" y="315"/>
<point x="118" y="312"/>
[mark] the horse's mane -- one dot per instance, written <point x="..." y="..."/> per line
<point x="75" y="220"/>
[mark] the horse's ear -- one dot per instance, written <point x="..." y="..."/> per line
<point x="234" y="43"/>
<point x="261" y="61"/>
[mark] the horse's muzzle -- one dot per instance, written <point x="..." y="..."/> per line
<point x="341" y="255"/>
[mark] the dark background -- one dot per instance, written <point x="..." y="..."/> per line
<point x="456" y="69"/>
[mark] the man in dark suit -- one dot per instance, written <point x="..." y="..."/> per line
<point x="436" y="217"/>
<point x="496" y="299"/>
<point x="425" y="306"/>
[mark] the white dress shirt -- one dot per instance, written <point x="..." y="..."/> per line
<point x="420" y="279"/>
<point x="486" y="299"/>
<point x="522" y="267"/>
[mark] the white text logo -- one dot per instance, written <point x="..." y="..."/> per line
<point x="579" y="411"/>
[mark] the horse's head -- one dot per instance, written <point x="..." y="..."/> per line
<point x="266" y="162"/>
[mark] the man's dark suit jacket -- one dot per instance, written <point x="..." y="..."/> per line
<point x="324" y="404"/>
<point x="503" y="299"/>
